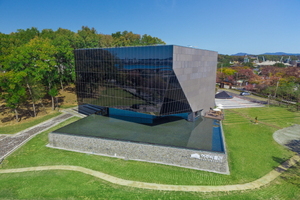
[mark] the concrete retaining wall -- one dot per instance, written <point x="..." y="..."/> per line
<point x="201" y="160"/>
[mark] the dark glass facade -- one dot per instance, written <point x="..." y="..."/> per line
<point x="138" y="79"/>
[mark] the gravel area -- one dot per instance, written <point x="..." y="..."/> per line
<point x="8" y="144"/>
<point x="180" y="157"/>
<point x="2" y="137"/>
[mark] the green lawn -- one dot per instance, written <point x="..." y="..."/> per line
<point x="252" y="154"/>
<point x="11" y="129"/>
<point x="75" y="185"/>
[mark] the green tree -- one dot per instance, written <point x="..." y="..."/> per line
<point x="64" y="58"/>
<point x="87" y="38"/>
<point x="12" y="90"/>
<point x="126" y="38"/>
<point x="69" y="36"/>
<point x="36" y="59"/>
<point x="7" y="45"/>
<point x="279" y="65"/>
<point x="105" y="40"/>
<point x="24" y="36"/>
<point x="149" y="40"/>
<point x="248" y="64"/>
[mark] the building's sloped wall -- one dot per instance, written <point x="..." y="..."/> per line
<point x="196" y="72"/>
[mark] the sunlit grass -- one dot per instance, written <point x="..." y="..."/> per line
<point x="251" y="154"/>
<point x="11" y="129"/>
<point x="251" y="149"/>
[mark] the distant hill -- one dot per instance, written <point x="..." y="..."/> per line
<point x="276" y="53"/>
<point x="282" y="53"/>
<point x="240" y="54"/>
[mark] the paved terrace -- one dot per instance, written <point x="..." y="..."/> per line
<point x="239" y="102"/>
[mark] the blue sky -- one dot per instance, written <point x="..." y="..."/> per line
<point x="226" y="26"/>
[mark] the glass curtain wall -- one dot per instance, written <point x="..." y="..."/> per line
<point x="139" y="79"/>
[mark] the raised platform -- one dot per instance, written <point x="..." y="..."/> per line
<point x="172" y="141"/>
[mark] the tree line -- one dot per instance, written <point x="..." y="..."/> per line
<point x="226" y="60"/>
<point x="37" y="64"/>
<point x="282" y="83"/>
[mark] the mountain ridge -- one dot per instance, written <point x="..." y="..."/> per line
<point x="275" y="53"/>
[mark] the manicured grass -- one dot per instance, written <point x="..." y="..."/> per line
<point x="75" y="185"/>
<point x="251" y="149"/>
<point x="272" y="115"/>
<point x="252" y="154"/>
<point x="11" y="129"/>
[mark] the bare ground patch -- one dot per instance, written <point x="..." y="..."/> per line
<point x="66" y="98"/>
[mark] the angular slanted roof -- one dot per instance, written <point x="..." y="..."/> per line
<point x="223" y="95"/>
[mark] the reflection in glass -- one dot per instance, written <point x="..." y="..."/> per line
<point x="139" y="79"/>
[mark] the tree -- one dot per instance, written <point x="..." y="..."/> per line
<point x="87" y="38"/>
<point x="126" y="39"/>
<point x="279" y="65"/>
<point x="24" y="36"/>
<point x="105" y="40"/>
<point x="149" y="40"/>
<point x="248" y="64"/>
<point x="69" y="36"/>
<point x="7" y="45"/>
<point x="225" y="73"/>
<point x="64" y="58"/>
<point x="12" y="90"/>
<point x="36" y="59"/>
<point x="244" y="73"/>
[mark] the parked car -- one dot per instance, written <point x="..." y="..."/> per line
<point x="245" y="93"/>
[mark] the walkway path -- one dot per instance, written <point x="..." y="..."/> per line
<point x="153" y="186"/>
<point x="9" y="143"/>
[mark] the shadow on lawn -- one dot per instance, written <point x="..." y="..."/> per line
<point x="279" y="160"/>
<point x="293" y="175"/>
<point x="284" y="164"/>
<point x="294" y="145"/>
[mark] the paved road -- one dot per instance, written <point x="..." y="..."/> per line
<point x="9" y="143"/>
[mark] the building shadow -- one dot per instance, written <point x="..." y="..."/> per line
<point x="283" y="164"/>
<point x="294" y="145"/>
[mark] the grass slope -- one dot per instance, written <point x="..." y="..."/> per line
<point x="75" y="185"/>
<point x="252" y="154"/>
<point x="11" y="129"/>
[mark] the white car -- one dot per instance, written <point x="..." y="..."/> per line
<point x="245" y="93"/>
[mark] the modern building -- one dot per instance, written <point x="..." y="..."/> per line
<point x="146" y="82"/>
<point x="154" y="97"/>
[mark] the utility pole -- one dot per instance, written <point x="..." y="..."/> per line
<point x="276" y="88"/>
